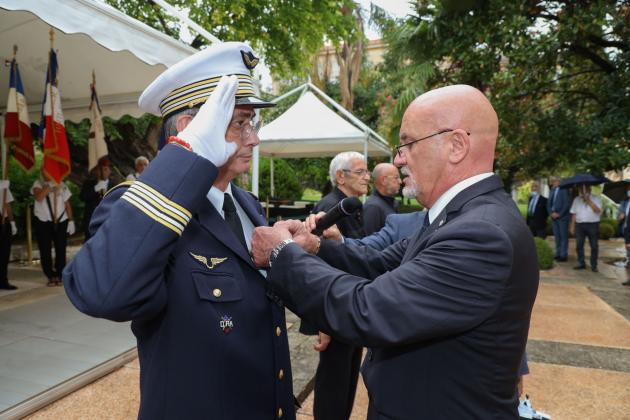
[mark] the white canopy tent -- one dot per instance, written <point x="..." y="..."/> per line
<point x="310" y="128"/>
<point x="89" y="35"/>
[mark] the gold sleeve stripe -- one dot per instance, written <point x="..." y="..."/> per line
<point x="121" y="185"/>
<point x="160" y="205"/>
<point x="178" y="229"/>
<point x="166" y="212"/>
<point x="164" y="199"/>
<point x="154" y="211"/>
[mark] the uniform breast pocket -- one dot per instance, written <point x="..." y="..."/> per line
<point x="217" y="287"/>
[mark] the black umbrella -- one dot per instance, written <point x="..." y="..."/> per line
<point x="616" y="191"/>
<point x="580" y="179"/>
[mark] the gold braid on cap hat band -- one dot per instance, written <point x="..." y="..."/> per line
<point x="198" y="92"/>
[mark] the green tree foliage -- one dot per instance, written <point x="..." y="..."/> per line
<point x="286" y="33"/>
<point x="286" y="183"/>
<point x="557" y="72"/>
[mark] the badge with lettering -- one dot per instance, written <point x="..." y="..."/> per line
<point x="226" y="323"/>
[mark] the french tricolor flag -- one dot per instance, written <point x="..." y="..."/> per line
<point x="17" y="128"/>
<point x="51" y="128"/>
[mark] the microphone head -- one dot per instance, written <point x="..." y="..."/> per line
<point x="350" y="205"/>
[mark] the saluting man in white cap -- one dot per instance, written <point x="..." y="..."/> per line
<point x="170" y="252"/>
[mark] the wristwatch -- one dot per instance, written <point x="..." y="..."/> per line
<point x="276" y="251"/>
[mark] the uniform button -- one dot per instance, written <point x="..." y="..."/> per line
<point x="280" y="413"/>
<point x="281" y="374"/>
<point x="216" y="293"/>
<point x="278" y="331"/>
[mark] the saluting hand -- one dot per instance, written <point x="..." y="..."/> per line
<point x="206" y="132"/>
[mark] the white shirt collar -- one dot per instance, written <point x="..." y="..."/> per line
<point x="216" y="197"/>
<point x="446" y="198"/>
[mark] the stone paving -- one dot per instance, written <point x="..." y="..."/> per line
<point x="579" y="353"/>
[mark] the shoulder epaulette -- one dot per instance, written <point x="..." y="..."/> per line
<point x="124" y="184"/>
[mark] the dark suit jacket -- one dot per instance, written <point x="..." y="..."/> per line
<point x="211" y="343"/>
<point x="560" y="202"/>
<point x="397" y="227"/>
<point x="375" y="211"/>
<point x="538" y="221"/>
<point x="349" y="226"/>
<point x="445" y="313"/>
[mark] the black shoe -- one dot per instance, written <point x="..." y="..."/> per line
<point x="7" y="286"/>
<point x="594" y="270"/>
<point x="562" y="259"/>
<point x="556" y="258"/>
<point x="579" y="267"/>
<point x="626" y="283"/>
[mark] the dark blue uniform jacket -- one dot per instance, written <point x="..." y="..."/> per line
<point x="445" y="312"/>
<point x="211" y="344"/>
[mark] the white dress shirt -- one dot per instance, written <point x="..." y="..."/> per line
<point x="57" y="196"/>
<point x="583" y="212"/>
<point x="446" y="198"/>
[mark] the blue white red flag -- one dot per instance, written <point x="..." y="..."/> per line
<point x="51" y="129"/>
<point x="17" y="128"/>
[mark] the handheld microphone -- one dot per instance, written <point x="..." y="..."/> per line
<point x="344" y="208"/>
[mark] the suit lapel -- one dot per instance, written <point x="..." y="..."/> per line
<point x="213" y="223"/>
<point x="419" y="240"/>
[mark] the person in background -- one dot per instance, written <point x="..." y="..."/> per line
<point x="338" y="369"/>
<point x="381" y="203"/>
<point x="8" y="231"/>
<point x="586" y="212"/>
<point x="623" y="215"/>
<point x="53" y="223"/>
<point x="140" y="164"/>
<point x="537" y="212"/>
<point x="93" y="191"/>
<point x="558" y="207"/>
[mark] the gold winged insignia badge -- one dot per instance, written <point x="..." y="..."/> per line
<point x="204" y="261"/>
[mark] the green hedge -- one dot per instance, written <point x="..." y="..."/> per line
<point x="545" y="254"/>
<point x="606" y="230"/>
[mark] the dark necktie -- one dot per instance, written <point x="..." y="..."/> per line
<point x="425" y="225"/>
<point x="232" y="219"/>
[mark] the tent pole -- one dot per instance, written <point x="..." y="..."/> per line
<point x="255" y="170"/>
<point x="272" y="191"/>
<point x="289" y="93"/>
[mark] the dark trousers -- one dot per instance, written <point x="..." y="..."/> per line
<point x="561" y="234"/>
<point x="590" y="231"/>
<point x="5" y="251"/>
<point x="50" y="234"/>
<point x="336" y="381"/>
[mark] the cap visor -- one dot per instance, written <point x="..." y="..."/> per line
<point x="255" y="102"/>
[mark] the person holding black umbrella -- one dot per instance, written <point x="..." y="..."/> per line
<point x="585" y="216"/>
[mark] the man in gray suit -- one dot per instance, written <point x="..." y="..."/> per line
<point x="558" y="206"/>
<point x="446" y="312"/>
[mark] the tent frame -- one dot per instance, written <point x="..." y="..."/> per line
<point x="371" y="136"/>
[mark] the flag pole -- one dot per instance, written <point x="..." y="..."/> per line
<point x="94" y="103"/>
<point x="52" y="113"/>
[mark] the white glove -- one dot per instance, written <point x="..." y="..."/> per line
<point x="206" y="132"/>
<point x="101" y="186"/>
<point x="13" y="228"/>
<point x="4" y="184"/>
<point x="71" y="229"/>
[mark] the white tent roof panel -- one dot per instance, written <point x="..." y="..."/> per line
<point x="125" y="54"/>
<point x="310" y="128"/>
